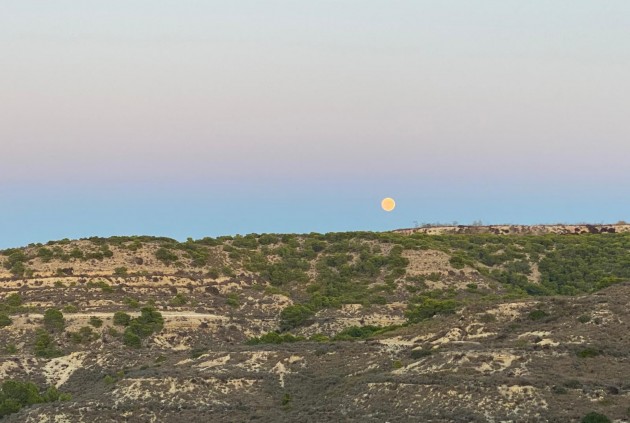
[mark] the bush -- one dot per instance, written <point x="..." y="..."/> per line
<point x="15" y="394"/>
<point x="165" y="256"/>
<point x="130" y="339"/>
<point x="359" y="332"/>
<point x="70" y="308"/>
<point x="53" y="320"/>
<point x="121" y="271"/>
<point x="319" y="337"/>
<point x="44" y="345"/>
<point x="131" y="302"/>
<point x="594" y="417"/>
<point x="13" y="300"/>
<point x="149" y="322"/>
<point x="274" y="338"/>
<point x="458" y="261"/>
<point x="420" y="353"/>
<point x="105" y="287"/>
<point x="96" y="322"/>
<point x="5" y="320"/>
<point x="585" y="318"/>
<point x="83" y="336"/>
<point x="429" y="307"/>
<point x="588" y="352"/>
<point x="121" y="318"/>
<point x="294" y="315"/>
<point x="178" y="300"/>
<point x="537" y="315"/>
<point x="232" y="300"/>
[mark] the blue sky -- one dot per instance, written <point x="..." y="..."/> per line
<point x="196" y="118"/>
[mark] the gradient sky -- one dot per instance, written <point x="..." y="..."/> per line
<point x="201" y="118"/>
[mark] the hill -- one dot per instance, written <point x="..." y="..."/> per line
<point x="453" y="325"/>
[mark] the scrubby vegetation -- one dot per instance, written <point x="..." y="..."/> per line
<point x="14" y="395"/>
<point x="5" y="320"/>
<point x="384" y="306"/>
<point x="594" y="417"/>
<point x="45" y="345"/>
<point x="54" y="320"/>
<point x="121" y="318"/>
<point x="149" y="322"/>
<point x="274" y="338"/>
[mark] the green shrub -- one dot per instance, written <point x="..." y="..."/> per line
<point x="560" y="390"/>
<point x="70" y="308"/>
<point x="104" y="286"/>
<point x="15" y="263"/>
<point x="594" y="417"/>
<point x="275" y="338"/>
<point x="537" y="315"/>
<point x="166" y="256"/>
<point x="54" y="320"/>
<point x="83" y="336"/>
<point x="130" y="339"/>
<point x="131" y="302"/>
<point x="44" y="345"/>
<point x="319" y="337"/>
<point x="45" y="254"/>
<point x="121" y="318"/>
<point x="13" y="300"/>
<point x="96" y="322"/>
<point x="5" y="320"/>
<point x="459" y="261"/>
<point x="149" y="322"/>
<point x="426" y="307"/>
<point x="585" y="318"/>
<point x="286" y="400"/>
<point x="233" y="300"/>
<point x="109" y="380"/>
<point x="213" y="273"/>
<point x="420" y="353"/>
<point x="295" y="315"/>
<point x="360" y="332"/>
<point x="434" y="276"/>
<point x="121" y="271"/>
<point x="178" y="300"/>
<point x="588" y="352"/>
<point x="15" y="395"/>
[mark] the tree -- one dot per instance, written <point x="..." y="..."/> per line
<point x="53" y="320"/>
<point x="121" y="318"/>
<point x="44" y="346"/>
<point x="294" y="316"/>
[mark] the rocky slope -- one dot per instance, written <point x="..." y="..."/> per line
<point x="336" y="327"/>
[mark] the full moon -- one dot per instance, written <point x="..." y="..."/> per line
<point x="388" y="204"/>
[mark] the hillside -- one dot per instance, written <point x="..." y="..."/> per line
<point x="416" y="325"/>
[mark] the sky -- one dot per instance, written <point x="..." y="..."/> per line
<point x="190" y="118"/>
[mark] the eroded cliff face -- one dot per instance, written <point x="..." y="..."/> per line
<point x="396" y="330"/>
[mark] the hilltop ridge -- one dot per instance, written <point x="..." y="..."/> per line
<point x="319" y="327"/>
<point x="542" y="229"/>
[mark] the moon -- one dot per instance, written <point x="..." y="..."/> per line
<point x="388" y="204"/>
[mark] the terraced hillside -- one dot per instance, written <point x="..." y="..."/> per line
<point x="335" y="327"/>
